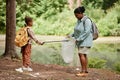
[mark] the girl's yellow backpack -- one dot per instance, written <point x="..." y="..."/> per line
<point x="21" y="38"/>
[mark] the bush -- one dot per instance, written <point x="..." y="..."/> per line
<point x="47" y="54"/>
<point x="97" y="63"/>
<point x="105" y="52"/>
<point x="117" y="66"/>
<point x="60" y="24"/>
<point x="110" y="24"/>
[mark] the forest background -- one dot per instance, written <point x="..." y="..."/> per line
<point x="54" y="17"/>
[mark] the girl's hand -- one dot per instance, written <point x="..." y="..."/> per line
<point x="68" y="36"/>
<point x="41" y="43"/>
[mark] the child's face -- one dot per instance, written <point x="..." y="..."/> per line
<point x="30" y="23"/>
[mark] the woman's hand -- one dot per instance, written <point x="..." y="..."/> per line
<point x="76" y="41"/>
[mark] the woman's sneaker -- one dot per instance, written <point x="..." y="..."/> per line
<point x="19" y="70"/>
<point x="82" y="74"/>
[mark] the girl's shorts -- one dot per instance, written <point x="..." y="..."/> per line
<point x="83" y="50"/>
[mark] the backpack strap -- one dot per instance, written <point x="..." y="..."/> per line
<point x="85" y="20"/>
<point x="27" y="28"/>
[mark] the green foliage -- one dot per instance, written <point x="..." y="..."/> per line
<point x="117" y="66"/>
<point x="47" y="54"/>
<point x="105" y="52"/>
<point x="109" y="24"/>
<point x="58" y="59"/>
<point x="94" y="3"/>
<point x="2" y="16"/>
<point x="103" y="4"/>
<point x="56" y="25"/>
<point x="95" y="13"/>
<point x="96" y="63"/>
<point x="36" y="8"/>
<point x="52" y="17"/>
<point x="108" y="3"/>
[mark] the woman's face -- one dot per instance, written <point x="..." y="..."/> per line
<point x="78" y="15"/>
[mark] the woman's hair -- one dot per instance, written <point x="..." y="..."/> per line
<point x="80" y="9"/>
<point x="28" y="19"/>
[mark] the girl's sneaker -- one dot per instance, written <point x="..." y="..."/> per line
<point x="24" y="69"/>
<point x="27" y="69"/>
<point x="19" y="70"/>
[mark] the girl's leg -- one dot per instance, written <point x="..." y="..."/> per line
<point x="26" y="52"/>
<point x="26" y="55"/>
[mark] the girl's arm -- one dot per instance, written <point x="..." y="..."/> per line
<point x="32" y="36"/>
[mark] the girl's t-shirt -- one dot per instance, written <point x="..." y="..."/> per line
<point x="31" y="36"/>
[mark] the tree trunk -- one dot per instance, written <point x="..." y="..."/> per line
<point x="10" y="50"/>
<point x="74" y="3"/>
<point x="78" y="3"/>
<point x="70" y="4"/>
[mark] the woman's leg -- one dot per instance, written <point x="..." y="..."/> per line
<point x="84" y="62"/>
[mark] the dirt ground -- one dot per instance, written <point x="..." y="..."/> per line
<point x="51" y="72"/>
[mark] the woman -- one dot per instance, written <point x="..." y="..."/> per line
<point x="26" y="50"/>
<point x="83" y="36"/>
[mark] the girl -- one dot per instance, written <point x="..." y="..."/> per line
<point x="26" y="50"/>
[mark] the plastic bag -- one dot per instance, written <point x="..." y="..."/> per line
<point x="67" y="51"/>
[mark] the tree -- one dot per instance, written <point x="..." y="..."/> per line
<point x="78" y="3"/>
<point x="108" y="3"/>
<point x="72" y="2"/>
<point x="10" y="50"/>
